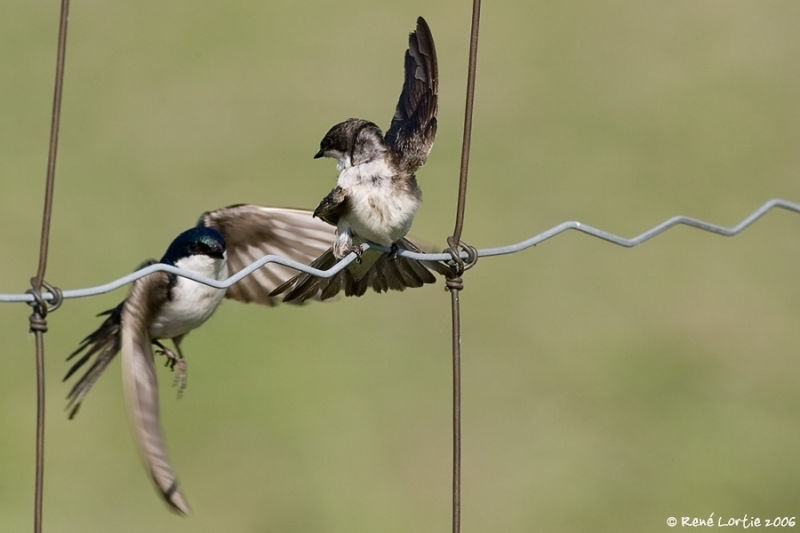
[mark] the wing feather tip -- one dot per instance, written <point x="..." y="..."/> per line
<point x="176" y="500"/>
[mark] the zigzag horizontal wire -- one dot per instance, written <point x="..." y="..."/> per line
<point x="484" y="252"/>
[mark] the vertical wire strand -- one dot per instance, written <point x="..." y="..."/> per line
<point x="38" y="324"/>
<point x="454" y="301"/>
<point x="54" y="127"/>
<point x="467" y="137"/>
<point x="454" y="282"/>
<point x="39" y="480"/>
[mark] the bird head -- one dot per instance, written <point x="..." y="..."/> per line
<point x="352" y="142"/>
<point x="198" y="241"/>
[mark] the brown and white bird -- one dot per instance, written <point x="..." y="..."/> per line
<point x="164" y="306"/>
<point x="376" y="195"/>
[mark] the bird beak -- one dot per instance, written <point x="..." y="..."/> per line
<point x="319" y="154"/>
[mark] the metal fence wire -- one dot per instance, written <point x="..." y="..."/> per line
<point x="45" y="298"/>
<point x="570" y="225"/>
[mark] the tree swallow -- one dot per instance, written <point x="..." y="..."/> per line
<point x="165" y="306"/>
<point x="376" y="194"/>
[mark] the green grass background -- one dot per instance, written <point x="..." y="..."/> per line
<point x="605" y="389"/>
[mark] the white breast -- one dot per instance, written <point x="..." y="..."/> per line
<point x="192" y="303"/>
<point x="380" y="211"/>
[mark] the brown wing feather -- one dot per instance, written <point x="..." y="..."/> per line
<point x="141" y="385"/>
<point x="413" y="126"/>
<point x="333" y="206"/>
<point x="253" y="231"/>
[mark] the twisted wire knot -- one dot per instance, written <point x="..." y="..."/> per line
<point x="454" y="284"/>
<point x="459" y="265"/>
<point x="41" y="306"/>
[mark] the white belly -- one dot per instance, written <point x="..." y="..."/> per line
<point x="192" y="303"/>
<point x="379" y="214"/>
<point x="379" y="210"/>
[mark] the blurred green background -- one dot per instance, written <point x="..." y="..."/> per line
<point x="605" y="389"/>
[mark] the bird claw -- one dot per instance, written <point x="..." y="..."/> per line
<point x="177" y="364"/>
<point x="181" y="376"/>
<point x="359" y="252"/>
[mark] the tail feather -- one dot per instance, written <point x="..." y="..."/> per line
<point x="103" y="344"/>
<point x="380" y="271"/>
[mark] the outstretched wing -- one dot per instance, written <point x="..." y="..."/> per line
<point x="253" y="231"/>
<point x="141" y="386"/>
<point x="413" y="127"/>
